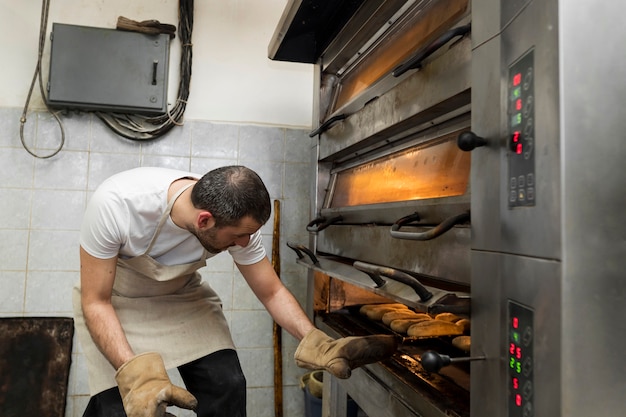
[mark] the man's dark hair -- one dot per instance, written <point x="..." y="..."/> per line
<point x="230" y="193"/>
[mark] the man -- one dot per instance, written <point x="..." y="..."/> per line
<point x="142" y="308"/>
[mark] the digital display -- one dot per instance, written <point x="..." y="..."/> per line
<point x="521" y="130"/>
<point x="520" y="354"/>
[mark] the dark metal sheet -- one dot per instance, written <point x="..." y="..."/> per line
<point x="35" y="358"/>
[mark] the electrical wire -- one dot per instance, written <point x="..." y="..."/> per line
<point x="141" y="127"/>
<point x="43" y="24"/>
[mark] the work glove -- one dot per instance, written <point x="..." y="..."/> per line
<point x="317" y="350"/>
<point x="147" y="390"/>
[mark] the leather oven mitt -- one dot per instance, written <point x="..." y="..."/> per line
<point x="147" y="390"/>
<point x="317" y="350"/>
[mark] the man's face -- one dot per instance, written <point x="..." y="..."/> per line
<point x="216" y="240"/>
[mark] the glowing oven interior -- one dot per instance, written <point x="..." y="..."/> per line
<point x="433" y="170"/>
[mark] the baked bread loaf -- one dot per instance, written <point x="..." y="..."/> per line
<point x="466" y="324"/>
<point x="434" y="328"/>
<point x="392" y="315"/>
<point x="376" y="311"/>
<point x="453" y="318"/>
<point x="402" y="325"/>
<point x="462" y="342"/>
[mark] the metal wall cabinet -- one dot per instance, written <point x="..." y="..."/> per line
<point x="108" y="70"/>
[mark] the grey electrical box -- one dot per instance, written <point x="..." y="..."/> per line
<point x="108" y="70"/>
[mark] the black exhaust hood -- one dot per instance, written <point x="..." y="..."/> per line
<point x="308" y="28"/>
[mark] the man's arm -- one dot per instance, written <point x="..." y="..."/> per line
<point x="316" y="349"/>
<point x="279" y="302"/>
<point x="96" y="280"/>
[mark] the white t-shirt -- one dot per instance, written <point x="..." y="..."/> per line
<point x="123" y="214"/>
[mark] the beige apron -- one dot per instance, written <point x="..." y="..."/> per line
<point x="167" y="309"/>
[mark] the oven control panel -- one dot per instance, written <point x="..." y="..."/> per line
<point x="520" y="353"/>
<point x="521" y="132"/>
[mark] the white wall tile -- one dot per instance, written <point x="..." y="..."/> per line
<point x="16" y="168"/>
<point x="203" y="165"/>
<point x="15" y="208"/>
<point x="65" y="171"/>
<point x="257" y="366"/>
<point x="214" y="140"/>
<point x="176" y="142"/>
<point x="58" y="210"/>
<point x="222" y="284"/>
<point x="103" y="139"/>
<point x="251" y="329"/>
<point x="50" y="292"/>
<point x="10" y="126"/>
<point x="103" y="165"/>
<point x="298" y="145"/>
<point x="13" y="249"/>
<point x="259" y="143"/>
<point x="181" y="163"/>
<point x="53" y="250"/>
<point x="12" y="295"/>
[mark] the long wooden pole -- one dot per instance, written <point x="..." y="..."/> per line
<point x="277" y="334"/>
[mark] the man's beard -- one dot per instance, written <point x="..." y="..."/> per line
<point x="208" y="239"/>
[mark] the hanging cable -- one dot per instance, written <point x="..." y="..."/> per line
<point x="43" y="25"/>
<point x="141" y="127"/>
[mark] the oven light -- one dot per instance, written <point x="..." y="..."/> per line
<point x="516" y="93"/>
<point x="515" y="365"/>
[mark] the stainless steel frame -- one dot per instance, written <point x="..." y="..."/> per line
<point x="563" y="258"/>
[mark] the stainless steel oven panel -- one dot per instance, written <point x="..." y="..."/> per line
<point x="532" y="282"/>
<point x="488" y="162"/>
<point x="441" y="87"/>
<point x="536" y="28"/>
<point x="574" y="280"/>
<point x="446" y="257"/>
<point x="593" y="200"/>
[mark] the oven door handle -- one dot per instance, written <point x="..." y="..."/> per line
<point x="375" y="271"/>
<point x="322" y="223"/>
<point x="327" y="124"/>
<point x="432" y="233"/>
<point x="298" y="249"/>
<point x="422" y="54"/>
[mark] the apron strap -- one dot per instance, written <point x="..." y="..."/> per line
<point x="165" y="215"/>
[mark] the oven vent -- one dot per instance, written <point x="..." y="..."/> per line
<point x="306" y="28"/>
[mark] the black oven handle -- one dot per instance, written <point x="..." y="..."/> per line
<point x="322" y="223"/>
<point x="432" y="233"/>
<point x="327" y="124"/>
<point x="298" y="249"/>
<point x="416" y="61"/>
<point x="375" y="272"/>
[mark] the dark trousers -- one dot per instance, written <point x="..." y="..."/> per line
<point x="216" y="380"/>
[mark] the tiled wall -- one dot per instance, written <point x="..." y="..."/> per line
<point x="41" y="205"/>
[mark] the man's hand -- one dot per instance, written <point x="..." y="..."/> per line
<point x="147" y="390"/>
<point x="317" y="350"/>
